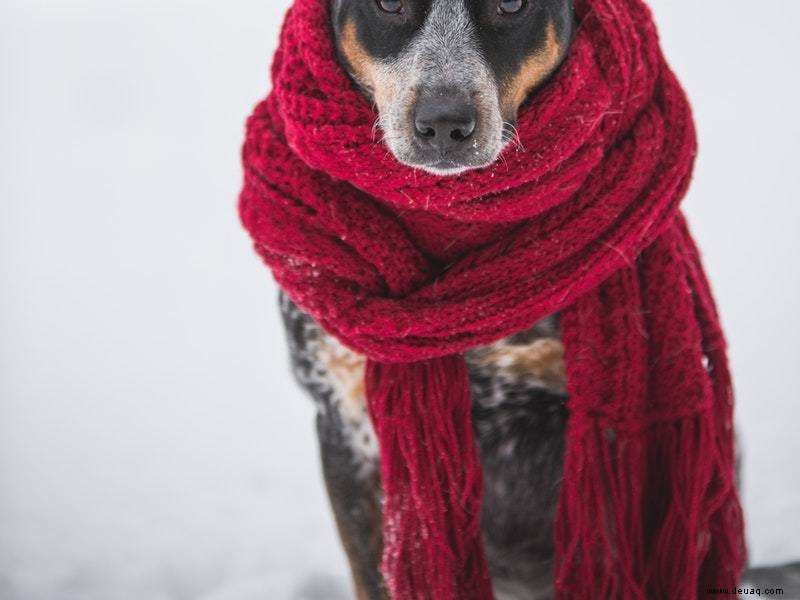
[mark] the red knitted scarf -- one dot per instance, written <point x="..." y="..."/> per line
<point x="411" y="270"/>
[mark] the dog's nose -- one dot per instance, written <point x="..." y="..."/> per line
<point x="444" y="121"/>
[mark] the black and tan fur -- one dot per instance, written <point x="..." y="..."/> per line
<point x="463" y="63"/>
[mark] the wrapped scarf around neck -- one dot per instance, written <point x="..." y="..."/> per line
<point x="411" y="270"/>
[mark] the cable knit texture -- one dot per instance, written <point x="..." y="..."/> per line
<point x="411" y="270"/>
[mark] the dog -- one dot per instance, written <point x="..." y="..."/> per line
<point x="448" y="78"/>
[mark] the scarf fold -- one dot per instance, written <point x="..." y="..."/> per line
<point x="411" y="270"/>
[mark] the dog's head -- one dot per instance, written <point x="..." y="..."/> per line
<point x="448" y="76"/>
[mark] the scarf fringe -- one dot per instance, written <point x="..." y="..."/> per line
<point x="433" y="485"/>
<point x="603" y="517"/>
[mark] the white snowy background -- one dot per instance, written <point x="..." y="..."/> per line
<point x="152" y="444"/>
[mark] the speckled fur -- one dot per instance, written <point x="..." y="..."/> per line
<point x="519" y="412"/>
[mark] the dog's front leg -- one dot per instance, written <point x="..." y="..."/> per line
<point x="333" y="376"/>
<point x="355" y="497"/>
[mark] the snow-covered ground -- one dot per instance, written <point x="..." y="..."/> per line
<point x="152" y="445"/>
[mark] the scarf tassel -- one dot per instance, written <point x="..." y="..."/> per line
<point x="432" y="481"/>
<point x="605" y="529"/>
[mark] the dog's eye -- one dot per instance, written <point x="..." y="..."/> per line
<point x="509" y="7"/>
<point x="391" y="6"/>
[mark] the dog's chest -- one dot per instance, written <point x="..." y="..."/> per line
<point x="524" y="372"/>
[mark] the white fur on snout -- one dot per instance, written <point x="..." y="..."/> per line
<point x="444" y="54"/>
